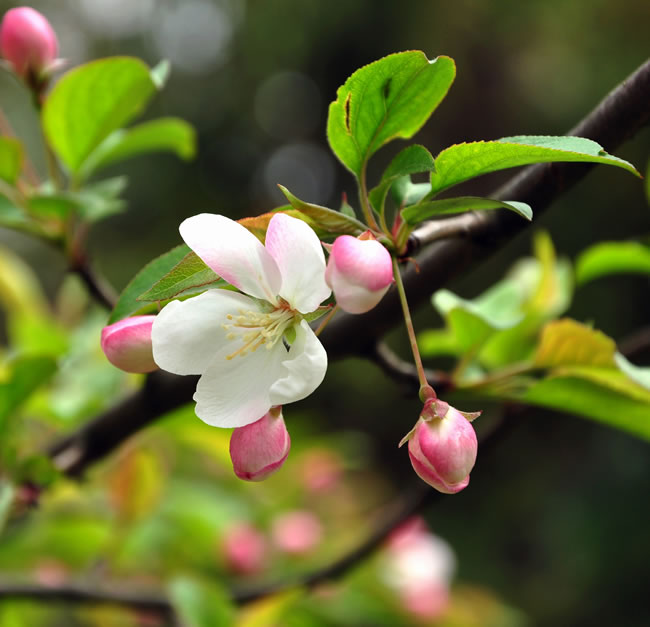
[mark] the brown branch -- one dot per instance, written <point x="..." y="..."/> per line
<point x="97" y="286"/>
<point x="161" y="393"/>
<point x="144" y="601"/>
<point x="405" y="372"/>
<point x="618" y="117"/>
<point x="418" y="499"/>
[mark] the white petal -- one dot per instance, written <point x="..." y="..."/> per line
<point x="235" y="392"/>
<point x="299" y="255"/>
<point x="304" y="368"/>
<point x="186" y="335"/>
<point x="234" y="253"/>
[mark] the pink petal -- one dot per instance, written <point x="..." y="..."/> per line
<point x="298" y="253"/>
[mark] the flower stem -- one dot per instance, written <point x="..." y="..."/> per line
<point x="363" y="198"/>
<point x="426" y="391"/>
<point x="326" y="320"/>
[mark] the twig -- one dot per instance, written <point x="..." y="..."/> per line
<point x="141" y="600"/>
<point x="98" y="287"/>
<point x="619" y="116"/>
<point x="404" y="371"/>
<point x="635" y="344"/>
<point x="161" y="393"/>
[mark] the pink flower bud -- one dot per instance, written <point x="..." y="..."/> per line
<point x="245" y="549"/>
<point x="297" y="532"/>
<point x="28" y="42"/>
<point x="127" y="344"/>
<point x="259" y="449"/>
<point x="443" y="447"/>
<point x="359" y="273"/>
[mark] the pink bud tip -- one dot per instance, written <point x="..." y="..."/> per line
<point x="297" y="532"/>
<point x="127" y="344"/>
<point x="359" y="273"/>
<point x="443" y="449"/>
<point x="28" y="42"/>
<point x="245" y="549"/>
<point x="259" y="449"/>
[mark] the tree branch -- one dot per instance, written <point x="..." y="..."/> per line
<point x="618" y="117"/>
<point x="405" y="372"/>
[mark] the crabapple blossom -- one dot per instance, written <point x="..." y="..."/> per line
<point x="259" y="449"/>
<point x="253" y="349"/>
<point x="419" y="567"/>
<point x="127" y="344"/>
<point x="359" y="271"/>
<point x="443" y="446"/>
<point x="297" y="532"/>
<point x="28" y="42"/>
<point x="245" y="549"/>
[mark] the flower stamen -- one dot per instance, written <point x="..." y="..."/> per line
<point x="258" y="328"/>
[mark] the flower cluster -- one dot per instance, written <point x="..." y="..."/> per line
<point x="255" y="351"/>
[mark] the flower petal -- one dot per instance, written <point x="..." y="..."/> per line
<point x="186" y="335"/>
<point x="298" y="254"/>
<point x="304" y="368"/>
<point x="235" y="392"/>
<point x="234" y="253"/>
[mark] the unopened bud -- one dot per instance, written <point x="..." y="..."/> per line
<point x="259" y="449"/>
<point x="127" y="344"/>
<point x="29" y="43"/>
<point x="359" y="273"/>
<point x="443" y="447"/>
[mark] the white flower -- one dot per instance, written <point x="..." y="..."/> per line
<point x="254" y="350"/>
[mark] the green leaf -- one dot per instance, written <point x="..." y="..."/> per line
<point x="567" y="342"/>
<point x="11" y="159"/>
<point x="160" y="73"/>
<point x="58" y="206"/>
<point x="411" y="160"/>
<point x="190" y="272"/>
<point x="25" y="375"/>
<point x="416" y="213"/>
<point x="462" y="162"/>
<point x="324" y="218"/>
<point x="161" y="135"/>
<point x="612" y="258"/>
<point x="6" y="501"/>
<point x="595" y="399"/>
<point x="406" y="193"/>
<point x="93" y="202"/>
<point x="201" y="604"/>
<point x="128" y="303"/>
<point x="641" y="376"/>
<point x="392" y="97"/>
<point x="346" y="209"/>
<point x="90" y="102"/>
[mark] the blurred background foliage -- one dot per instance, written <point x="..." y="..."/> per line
<point x="554" y="522"/>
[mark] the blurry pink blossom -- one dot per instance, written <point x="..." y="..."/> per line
<point x="28" y="42"/>
<point x="419" y="567"/>
<point x="297" y="532"/>
<point x="245" y="549"/>
<point x="321" y="470"/>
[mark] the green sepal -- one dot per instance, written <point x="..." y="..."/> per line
<point x="190" y="273"/>
<point x="326" y="219"/>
